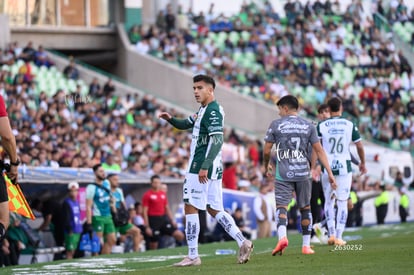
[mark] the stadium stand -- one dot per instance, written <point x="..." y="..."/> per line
<point x="318" y="55"/>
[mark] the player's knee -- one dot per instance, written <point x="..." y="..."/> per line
<point x="281" y="212"/>
<point x="281" y="215"/>
<point x="306" y="216"/>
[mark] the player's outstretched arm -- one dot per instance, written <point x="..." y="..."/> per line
<point x="181" y="124"/>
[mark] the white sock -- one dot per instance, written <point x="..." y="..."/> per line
<point x="341" y="218"/>
<point x="281" y="231"/>
<point x="227" y="222"/>
<point x="330" y="216"/>
<point x="192" y="229"/>
<point x="306" y="240"/>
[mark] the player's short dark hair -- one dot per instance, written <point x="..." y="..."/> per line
<point x="322" y="108"/>
<point x="111" y="175"/>
<point x="207" y="79"/>
<point x="154" y="177"/>
<point x="335" y="104"/>
<point x="290" y="101"/>
<point x="96" y="167"/>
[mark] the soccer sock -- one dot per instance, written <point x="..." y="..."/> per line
<point x="341" y="217"/>
<point x="227" y="222"/>
<point x="330" y="215"/>
<point x="192" y="230"/>
<point x="306" y="222"/>
<point x="281" y="222"/>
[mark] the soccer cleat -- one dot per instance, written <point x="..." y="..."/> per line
<point x="340" y="242"/>
<point x="280" y="247"/>
<point x="187" y="261"/>
<point x="306" y="250"/>
<point x="331" y="240"/>
<point x="245" y="251"/>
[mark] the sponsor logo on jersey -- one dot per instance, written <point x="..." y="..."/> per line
<point x="289" y="154"/>
<point x="334" y="131"/>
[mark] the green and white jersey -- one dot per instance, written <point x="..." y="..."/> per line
<point x="336" y="134"/>
<point x="207" y="121"/>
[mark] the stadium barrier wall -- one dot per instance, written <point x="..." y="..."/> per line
<point x="174" y="84"/>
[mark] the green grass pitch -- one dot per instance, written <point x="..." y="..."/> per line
<point x="387" y="249"/>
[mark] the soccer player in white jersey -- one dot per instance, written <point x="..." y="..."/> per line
<point x="336" y="134"/>
<point x="202" y="186"/>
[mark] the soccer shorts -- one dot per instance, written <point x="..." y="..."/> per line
<point x="124" y="229"/>
<point x="284" y="192"/>
<point x="160" y="225"/>
<point x="201" y="195"/>
<point x="343" y="189"/>
<point x="103" y="224"/>
<point x="72" y="241"/>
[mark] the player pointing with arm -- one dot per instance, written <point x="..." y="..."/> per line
<point x="202" y="185"/>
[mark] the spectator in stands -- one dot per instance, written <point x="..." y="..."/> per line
<point x="41" y="58"/>
<point x="135" y="34"/>
<point x="71" y="220"/>
<point x="70" y="71"/>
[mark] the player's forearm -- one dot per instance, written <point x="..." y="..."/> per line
<point x="324" y="161"/>
<point x="145" y="216"/>
<point x="216" y="142"/>
<point x="361" y="154"/>
<point x="88" y="215"/>
<point x="266" y="154"/>
<point x="181" y="124"/>
<point x="314" y="159"/>
<point x="354" y="160"/>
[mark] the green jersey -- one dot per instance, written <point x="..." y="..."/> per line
<point x="206" y="122"/>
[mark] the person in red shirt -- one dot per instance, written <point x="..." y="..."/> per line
<point x="157" y="214"/>
<point x="8" y="143"/>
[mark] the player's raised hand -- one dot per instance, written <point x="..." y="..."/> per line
<point x="165" y="116"/>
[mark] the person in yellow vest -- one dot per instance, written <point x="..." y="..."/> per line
<point x="354" y="215"/>
<point x="381" y="204"/>
<point x="404" y="204"/>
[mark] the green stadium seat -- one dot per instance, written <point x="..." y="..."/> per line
<point x="234" y="37"/>
<point x="245" y="35"/>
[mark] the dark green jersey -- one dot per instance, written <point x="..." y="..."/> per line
<point x="206" y="122"/>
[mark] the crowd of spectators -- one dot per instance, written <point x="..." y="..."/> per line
<point x="315" y="52"/>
